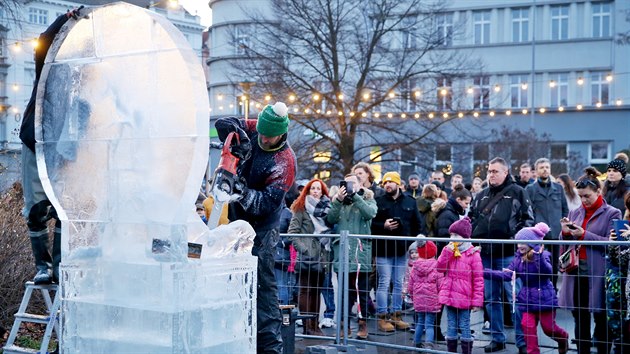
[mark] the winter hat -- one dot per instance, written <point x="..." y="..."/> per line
<point x="618" y="165"/>
<point x="413" y="175"/>
<point x="273" y="120"/>
<point x="461" y="227"/>
<point x="438" y="184"/>
<point x="429" y="250"/>
<point x="421" y="240"/>
<point x="535" y="233"/>
<point x="392" y="177"/>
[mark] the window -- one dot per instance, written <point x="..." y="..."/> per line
<point x="444" y="93"/>
<point x="558" y="151"/>
<point x="520" y="25"/>
<point x="241" y="40"/>
<point x="410" y="95"/>
<point x="559" y="22"/>
<point x="601" y="20"/>
<point x="558" y="89"/>
<point x="37" y="16"/>
<point x="599" y="152"/>
<point x="408" y="34"/>
<point x="599" y="88"/>
<point x="3" y="85"/>
<point x="481" y="155"/>
<point x="481" y="21"/>
<point x="444" y="29"/>
<point x="481" y="92"/>
<point x="518" y="91"/>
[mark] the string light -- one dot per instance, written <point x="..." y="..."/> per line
<point x="389" y="115"/>
<point x="445" y="115"/>
<point x="417" y="115"/>
<point x="579" y="107"/>
<point x="295" y="109"/>
<point x="328" y="112"/>
<point x="220" y="97"/>
<point x="340" y="97"/>
<point x="460" y="115"/>
<point x="15" y="110"/>
<point x="619" y="102"/>
<point x="16" y="87"/>
<point x="351" y="114"/>
<point x="231" y="105"/>
<point x="524" y="86"/>
<point x="497" y="88"/>
<point x="292" y="97"/>
<point x="376" y="115"/>
<point x="491" y="113"/>
<point x="542" y="110"/>
<point x="17" y="47"/>
<point x="560" y="109"/>
<point x="431" y="115"/>
<point x="580" y="81"/>
<point x="470" y="90"/>
<point x="524" y="111"/>
<point x="340" y="113"/>
<point x="307" y="111"/>
<point x="552" y="84"/>
<point x="508" y="113"/>
<point x="364" y="114"/>
<point x="220" y="108"/>
<point x="267" y="98"/>
<point x="417" y="94"/>
<point x="475" y="114"/>
<point x="443" y="92"/>
<point x="609" y="77"/>
<point x="403" y="116"/>
<point x="391" y="94"/>
<point x="366" y="96"/>
<point x="316" y="97"/>
<point x="598" y="104"/>
<point x="318" y="111"/>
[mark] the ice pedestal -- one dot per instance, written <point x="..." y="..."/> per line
<point x="129" y="308"/>
<point x="122" y="146"/>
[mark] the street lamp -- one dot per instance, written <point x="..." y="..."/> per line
<point x="246" y="86"/>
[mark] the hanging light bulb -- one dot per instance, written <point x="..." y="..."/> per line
<point x="417" y="115"/>
<point x="609" y="77"/>
<point x="580" y="81"/>
<point x="351" y="114"/>
<point x="295" y="109"/>
<point x="364" y="114"/>
<point x="17" y="47"/>
<point x="292" y="98"/>
<point x="491" y="113"/>
<point x="316" y="97"/>
<point x="445" y="115"/>
<point x="389" y="115"/>
<point x="391" y="94"/>
<point x="417" y="94"/>
<point x="552" y="84"/>
<point x="524" y="111"/>
<point x="561" y="109"/>
<point x="579" y="107"/>
<point x="524" y="86"/>
<point x="460" y="115"/>
<point x="220" y="97"/>
<point x="508" y="113"/>
<point x="340" y="97"/>
<point x="598" y="105"/>
<point x="497" y="88"/>
<point x="16" y="87"/>
<point x="318" y="111"/>
<point x="619" y="102"/>
<point x="542" y="110"/>
<point x="366" y="96"/>
<point x="34" y="43"/>
<point x="376" y="115"/>
<point x="328" y="112"/>
<point x="267" y="98"/>
<point x="443" y="92"/>
<point x="340" y="113"/>
<point x="470" y="90"/>
<point x="404" y="115"/>
<point x="476" y="114"/>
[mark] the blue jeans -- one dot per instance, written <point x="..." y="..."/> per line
<point x="458" y="319"/>
<point x="425" y="321"/>
<point x="329" y="295"/>
<point x="286" y="282"/>
<point x="390" y="269"/>
<point x="493" y="293"/>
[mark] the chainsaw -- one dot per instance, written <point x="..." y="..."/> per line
<point x="224" y="179"/>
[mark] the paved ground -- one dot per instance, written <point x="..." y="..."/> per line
<point x="402" y="338"/>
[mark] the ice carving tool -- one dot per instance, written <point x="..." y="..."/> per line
<point x="224" y="179"/>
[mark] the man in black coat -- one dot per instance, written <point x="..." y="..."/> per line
<point x="397" y="215"/>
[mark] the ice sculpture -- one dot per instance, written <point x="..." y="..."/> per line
<point x="122" y="130"/>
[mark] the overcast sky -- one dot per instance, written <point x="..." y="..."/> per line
<point x="199" y="8"/>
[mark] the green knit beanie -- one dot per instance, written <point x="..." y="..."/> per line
<point x="273" y="120"/>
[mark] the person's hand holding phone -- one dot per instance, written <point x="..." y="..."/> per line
<point x="392" y="224"/>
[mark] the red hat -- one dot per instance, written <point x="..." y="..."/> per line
<point x="429" y="250"/>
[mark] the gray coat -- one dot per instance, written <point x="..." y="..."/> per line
<point x="597" y="229"/>
<point x="549" y="205"/>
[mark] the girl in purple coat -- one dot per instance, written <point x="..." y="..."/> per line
<point x="424" y="284"/>
<point x="537" y="299"/>
<point x="462" y="288"/>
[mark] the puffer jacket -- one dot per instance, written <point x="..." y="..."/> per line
<point x="311" y="249"/>
<point x="537" y="292"/>
<point x="357" y="219"/>
<point x="424" y="285"/>
<point x="462" y="287"/>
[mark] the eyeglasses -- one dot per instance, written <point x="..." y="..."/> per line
<point x="585" y="183"/>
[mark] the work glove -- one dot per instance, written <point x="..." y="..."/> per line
<point x="240" y="189"/>
<point x="39" y="214"/>
<point x="75" y="13"/>
<point x="243" y="150"/>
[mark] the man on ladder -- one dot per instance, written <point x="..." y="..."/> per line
<point x="37" y="208"/>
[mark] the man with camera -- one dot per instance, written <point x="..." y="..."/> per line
<point x="397" y="215"/>
<point x="352" y="209"/>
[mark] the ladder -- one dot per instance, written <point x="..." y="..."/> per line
<point x="51" y="319"/>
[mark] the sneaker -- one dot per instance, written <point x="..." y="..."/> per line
<point x="328" y="323"/>
<point x="299" y="322"/>
<point x="486" y="328"/>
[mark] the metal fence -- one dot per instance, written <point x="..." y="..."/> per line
<point x="613" y="310"/>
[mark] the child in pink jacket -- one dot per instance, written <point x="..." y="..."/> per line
<point x="462" y="288"/>
<point x="424" y="284"/>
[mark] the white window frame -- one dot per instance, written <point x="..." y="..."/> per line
<point x="600" y="148"/>
<point x="444" y="102"/>
<point x="560" y="92"/>
<point x="520" y="22"/>
<point x="37" y="16"/>
<point x="601" y="14"/>
<point x="481" y="88"/>
<point x="241" y="40"/>
<point x="481" y="21"/>
<point x="598" y="86"/>
<point x="516" y="82"/>
<point x="444" y="29"/>
<point x="560" y="22"/>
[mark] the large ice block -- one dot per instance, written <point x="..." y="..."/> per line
<point x="122" y="145"/>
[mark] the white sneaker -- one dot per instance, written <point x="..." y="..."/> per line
<point x="299" y="322"/>
<point x="486" y="328"/>
<point x="328" y="323"/>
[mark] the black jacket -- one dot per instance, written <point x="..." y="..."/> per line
<point x="507" y="217"/>
<point x="406" y="209"/>
<point x="611" y="195"/>
<point x="447" y="216"/>
<point x="27" y="129"/>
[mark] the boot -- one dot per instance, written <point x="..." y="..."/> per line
<point x="312" y="328"/>
<point x="398" y="321"/>
<point x="467" y="347"/>
<point x="451" y="345"/>
<point x="384" y="325"/>
<point x="39" y="244"/>
<point x="363" y="331"/>
<point x="563" y="345"/>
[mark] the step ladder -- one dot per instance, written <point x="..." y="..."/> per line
<point x="51" y="319"/>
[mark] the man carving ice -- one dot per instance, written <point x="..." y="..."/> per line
<point x="266" y="172"/>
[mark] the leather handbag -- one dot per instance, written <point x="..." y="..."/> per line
<point x="569" y="260"/>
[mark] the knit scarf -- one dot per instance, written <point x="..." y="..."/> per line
<point x="459" y="247"/>
<point x="317" y="210"/>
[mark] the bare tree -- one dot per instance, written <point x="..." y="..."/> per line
<point x="356" y="73"/>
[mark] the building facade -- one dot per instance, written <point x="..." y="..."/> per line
<point x="551" y="67"/>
